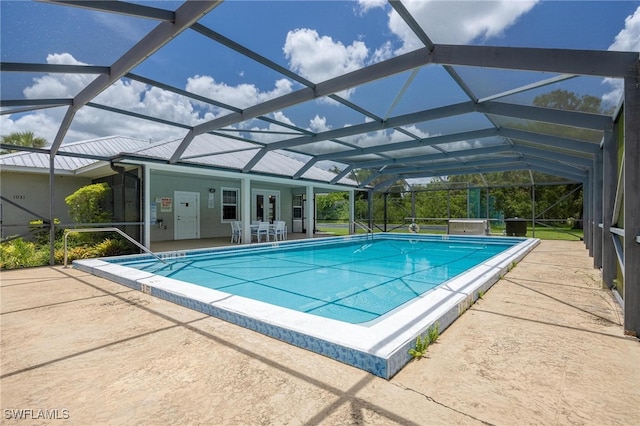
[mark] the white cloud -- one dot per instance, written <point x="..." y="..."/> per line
<point x="239" y="96"/>
<point x="612" y="97"/>
<point x="131" y="96"/>
<point x="59" y="85"/>
<point x="382" y="53"/>
<point x="320" y="58"/>
<point x="627" y="40"/>
<point x="123" y="94"/>
<point x="366" y="5"/>
<point x="319" y="124"/>
<point x="385" y="137"/>
<point x="462" y="145"/>
<point x="272" y="137"/>
<point x="42" y="125"/>
<point x="457" y="22"/>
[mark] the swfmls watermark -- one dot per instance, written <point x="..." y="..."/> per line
<point x="36" y="414"/>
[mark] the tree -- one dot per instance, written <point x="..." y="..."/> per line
<point x="26" y="139"/>
<point x="516" y="200"/>
<point x="333" y="206"/>
<point x="397" y="206"/>
<point x="563" y="99"/>
<point x="513" y="201"/>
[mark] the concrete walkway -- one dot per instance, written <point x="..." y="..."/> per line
<point x="544" y="346"/>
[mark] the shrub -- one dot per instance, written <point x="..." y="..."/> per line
<point x="18" y="254"/>
<point x="86" y="205"/>
<point x="41" y="234"/>
<point x="112" y="247"/>
<point x="80" y="252"/>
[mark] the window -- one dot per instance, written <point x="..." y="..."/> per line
<point x="230" y="204"/>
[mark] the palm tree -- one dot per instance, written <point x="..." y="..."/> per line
<point x="26" y="139"/>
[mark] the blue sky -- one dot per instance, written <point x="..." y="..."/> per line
<point x="317" y="40"/>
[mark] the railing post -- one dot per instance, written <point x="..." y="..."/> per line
<point x="146" y="250"/>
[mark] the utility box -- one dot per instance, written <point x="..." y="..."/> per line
<point x="516" y="227"/>
<point x="468" y="227"/>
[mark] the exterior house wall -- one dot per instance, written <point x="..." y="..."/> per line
<point x="164" y="184"/>
<point x="31" y="191"/>
<point x="286" y="207"/>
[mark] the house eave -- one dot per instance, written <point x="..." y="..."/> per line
<point x="158" y="164"/>
<point x="35" y="170"/>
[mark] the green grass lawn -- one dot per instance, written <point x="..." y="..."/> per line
<point x="567" y="233"/>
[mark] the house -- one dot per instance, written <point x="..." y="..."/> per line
<point x="197" y="197"/>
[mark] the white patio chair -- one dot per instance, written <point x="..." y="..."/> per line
<point x="262" y="229"/>
<point x="278" y="230"/>
<point x="236" y="232"/>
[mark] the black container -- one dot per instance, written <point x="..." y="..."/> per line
<point x="516" y="227"/>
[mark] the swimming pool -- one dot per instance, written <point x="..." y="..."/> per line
<point x="359" y="299"/>
<point x="351" y="281"/>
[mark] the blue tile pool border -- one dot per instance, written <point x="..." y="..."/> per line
<point x="381" y="349"/>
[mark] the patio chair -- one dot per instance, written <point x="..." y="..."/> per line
<point x="278" y="231"/>
<point x="236" y="232"/>
<point x="261" y="229"/>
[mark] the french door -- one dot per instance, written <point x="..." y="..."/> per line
<point x="265" y="205"/>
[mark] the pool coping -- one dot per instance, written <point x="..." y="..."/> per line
<point x="380" y="347"/>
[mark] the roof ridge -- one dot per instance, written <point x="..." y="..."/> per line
<point x="100" y="139"/>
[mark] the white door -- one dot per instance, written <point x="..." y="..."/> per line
<point x="187" y="214"/>
<point x="266" y="205"/>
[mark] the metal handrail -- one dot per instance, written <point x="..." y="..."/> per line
<point x="365" y="227"/>
<point x="69" y="231"/>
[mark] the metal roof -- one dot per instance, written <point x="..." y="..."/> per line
<point x="78" y="156"/>
<point x="389" y="119"/>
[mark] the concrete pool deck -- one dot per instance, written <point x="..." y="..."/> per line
<point x="544" y="346"/>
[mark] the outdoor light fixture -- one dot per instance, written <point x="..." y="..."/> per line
<point x="212" y="190"/>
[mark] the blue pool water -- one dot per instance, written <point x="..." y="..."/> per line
<point x="351" y="281"/>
